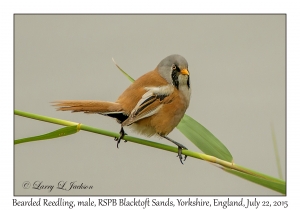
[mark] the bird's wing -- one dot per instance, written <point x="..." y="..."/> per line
<point x="150" y="103"/>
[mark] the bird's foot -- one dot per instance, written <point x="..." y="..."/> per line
<point x="118" y="139"/>
<point x="180" y="147"/>
<point x="180" y="154"/>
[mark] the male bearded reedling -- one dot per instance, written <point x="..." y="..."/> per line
<point x="152" y="104"/>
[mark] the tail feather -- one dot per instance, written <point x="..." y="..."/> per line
<point x="101" y="107"/>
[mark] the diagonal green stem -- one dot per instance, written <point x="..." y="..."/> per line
<point x="193" y="154"/>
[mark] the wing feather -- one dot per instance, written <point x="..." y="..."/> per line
<point x="150" y="103"/>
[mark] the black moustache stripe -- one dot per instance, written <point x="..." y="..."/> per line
<point x="175" y="79"/>
<point x="176" y="82"/>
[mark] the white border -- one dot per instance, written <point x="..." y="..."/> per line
<point x="8" y="8"/>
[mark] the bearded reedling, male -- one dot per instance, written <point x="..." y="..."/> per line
<point x="152" y="104"/>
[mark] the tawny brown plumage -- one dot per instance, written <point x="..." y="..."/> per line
<point x="88" y="106"/>
<point x="153" y="104"/>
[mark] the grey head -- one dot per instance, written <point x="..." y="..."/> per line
<point x="174" y="69"/>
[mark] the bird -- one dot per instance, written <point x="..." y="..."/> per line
<point x="153" y="104"/>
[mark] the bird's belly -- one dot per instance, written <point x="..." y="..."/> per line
<point x="158" y="124"/>
<point x="144" y="129"/>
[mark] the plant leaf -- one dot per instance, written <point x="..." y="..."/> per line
<point x="55" y="134"/>
<point x="127" y="75"/>
<point x="276" y="151"/>
<point x="203" y="138"/>
<point x="277" y="186"/>
<point x="198" y="134"/>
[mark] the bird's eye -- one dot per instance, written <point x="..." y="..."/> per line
<point x="174" y="67"/>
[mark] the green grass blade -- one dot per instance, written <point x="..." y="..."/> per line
<point x="198" y="134"/>
<point x="127" y="75"/>
<point x="44" y="118"/>
<point x="276" y="186"/>
<point x="55" y="134"/>
<point x="203" y="138"/>
<point x="276" y="152"/>
<point x="256" y="173"/>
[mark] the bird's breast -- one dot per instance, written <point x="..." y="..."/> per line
<point x="185" y="94"/>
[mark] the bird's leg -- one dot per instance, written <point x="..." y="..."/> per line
<point x="180" y="147"/>
<point x="122" y="134"/>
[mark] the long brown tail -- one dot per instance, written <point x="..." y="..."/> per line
<point x="101" y="107"/>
